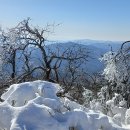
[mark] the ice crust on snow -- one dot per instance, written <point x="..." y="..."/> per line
<point x="35" y="106"/>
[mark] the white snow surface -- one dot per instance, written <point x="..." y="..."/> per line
<point x="35" y="106"/>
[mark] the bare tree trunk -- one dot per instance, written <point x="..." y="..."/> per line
<point x="47" y="74"/>
<point x="13" y="65"/>
<point x="56" y="76"/>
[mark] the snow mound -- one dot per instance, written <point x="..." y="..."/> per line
<point x="19" y="94"/>
<point x="35" y="106"/>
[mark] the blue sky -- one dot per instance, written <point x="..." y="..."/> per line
<point x="79" y="19"/>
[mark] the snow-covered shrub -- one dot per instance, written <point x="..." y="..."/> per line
<point x="88" y="96"/>
<point x="117" y="118"/>
<point x="115" y="110"/>
<point x="116" y="93"/>
<point x="116" y="69"/>
<point x="117" y="72"/>
<point x="98" y="105"/>
<point x="127" y="117"/>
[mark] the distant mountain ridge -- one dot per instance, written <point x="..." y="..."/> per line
<point x="96" y="49"/>
<point x="97" y="43"/>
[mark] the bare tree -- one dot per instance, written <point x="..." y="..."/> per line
<point x="17" y="45"/>
<point x="51" y="60"/>
<point x="10" y="47"/>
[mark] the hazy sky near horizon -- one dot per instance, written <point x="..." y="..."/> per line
<point x="79" y="19"/>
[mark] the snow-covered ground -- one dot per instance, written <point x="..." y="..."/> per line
<point x="35" y="106"/>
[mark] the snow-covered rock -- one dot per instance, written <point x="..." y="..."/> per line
<point x="35" y="106"/>
<point x="19" y="94"/>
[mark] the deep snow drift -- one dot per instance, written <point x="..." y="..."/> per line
<point x="35" y="106"/>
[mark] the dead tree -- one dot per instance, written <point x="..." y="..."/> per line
<point x="51" y="60"/>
